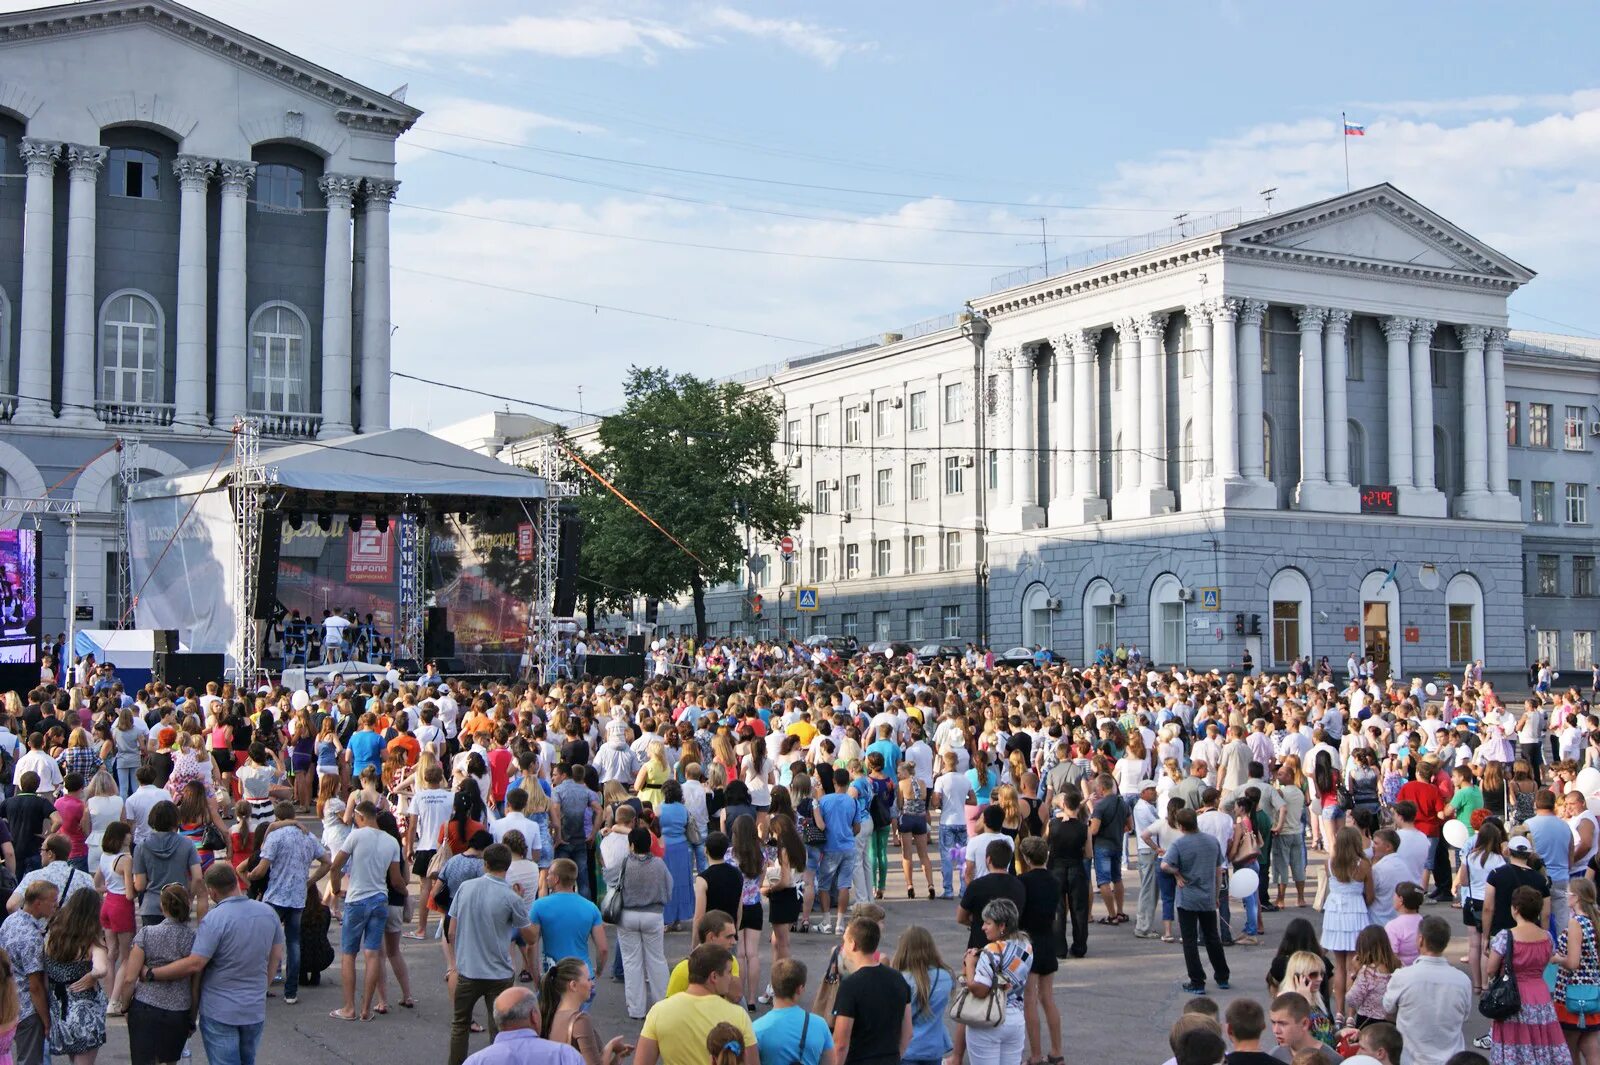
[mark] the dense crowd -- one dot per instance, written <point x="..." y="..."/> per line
<point x="173" y="859"/>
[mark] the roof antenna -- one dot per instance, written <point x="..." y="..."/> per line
<point x="1180" y="219"/>
<point x="1266" y="194"/>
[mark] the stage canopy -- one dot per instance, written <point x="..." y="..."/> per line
<point x="181" y="528"/>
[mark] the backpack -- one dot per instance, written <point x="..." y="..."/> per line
<point x="880" y="807"/>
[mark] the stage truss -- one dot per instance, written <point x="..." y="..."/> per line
<point x="542" y="623"/>
<point x="249" y="483"/>
<point x="128" y="455"/>
<point x="413" y="552"/>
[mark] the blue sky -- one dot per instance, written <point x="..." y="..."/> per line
<point x="1489" y="113"/>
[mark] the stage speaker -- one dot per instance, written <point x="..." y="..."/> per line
<point x="166" y="641"/>
<point x="437" y="639"/>
<point x="189" y="670"/>
<point x="631" y="666"/>
<point x="265" y="593"/>
<point x="569" y="547"/>
<point x="19" y="677"/>
<point x="636" y="643"/>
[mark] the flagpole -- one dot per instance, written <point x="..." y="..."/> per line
<point x="1344" y="135"/>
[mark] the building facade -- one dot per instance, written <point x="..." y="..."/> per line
<point x="194" y="226"/>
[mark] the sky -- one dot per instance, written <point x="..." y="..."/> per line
<point x="712" y="187"/>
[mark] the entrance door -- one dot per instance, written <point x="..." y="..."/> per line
<point x="1375" y="636"/>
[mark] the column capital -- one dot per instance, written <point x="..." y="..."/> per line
<point x="1151" y="326"/>
<point x="379" y="192"/>
<point x="85" y="161"/>
<point x="1497" y="336"/>
<point x="1311" y="319"/>
<point x="39" y="156"/>
<point x="1471" y="336"/>
<point x="1198" y="313"/>
<point x="1086" y="341"/>
<point x="1252" y="312"/>
<point x="1127" y="330"/>
<point x="339" y="189"/>
<point x="1396" y="328"/>
<point x="1223" y="309"/>
<point x="1005" y="356"/>
<point x="1338" y="320"/>
<point x="236" y="175"/>
<point x="1422" y="329"/>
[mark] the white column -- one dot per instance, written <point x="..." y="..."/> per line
<point x="338" y="191"/>
<point x="1397" y="331"/>
<point x="1336" y="369"/>
<point x="1224" y="396"/>
<point x="1061" y="457"/>
<point x="1087" y="504"/>
<point x="232" y="313"/>
<point x="1251" y="313"/>
<point x="1494" y="357"/>
<point x="34" y="398"/>
<point x="1152" y="406"/>
<point x="1027" y="438"/>
<point x="189" y="393"/>
<point x="1313" y="436"/>
<point x="1126" y="428"/>
<point x="1474" y="497"/>
<point x="375" y="308"/>
<point x="1005" y="425"/>
<point x="1197" y="470"/>
<point x="78" y="329"/>
<point x="1427" y="500"/>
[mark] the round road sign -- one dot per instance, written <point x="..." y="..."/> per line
<point x="786" y="546"/>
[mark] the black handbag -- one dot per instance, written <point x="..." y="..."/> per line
<point x="1501" y="1000"/>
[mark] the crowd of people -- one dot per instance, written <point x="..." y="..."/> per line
<point x="175" y="859"/>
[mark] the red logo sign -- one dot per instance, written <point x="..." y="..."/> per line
<point x="525" y="542"/>
<point x="1413" y="634"/>
<point x="1352" y="633"/>
<point x="371" y="557"/>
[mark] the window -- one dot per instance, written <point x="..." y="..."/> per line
<point x="821" y="430"/>
<point x="914" y="623"/>
<point x="848" y="625"/>
<point x="1548" y="642"/>
<point x="822" y="498"/>
<point x="885" y="416"/>
<point x="130" y="350"/>
<point x="1513" y="429"/>
<point x="919" y="480"/>
<point x="955" y="402"/>
<point x="791" y="437"/>
<point x="1266" y="343"/>
<point x="852" y="491"/>
<point x="952" y="476"/>
<point x="880" y="624"/>
<point x="991" y="395"/>
<point x="765" y="571"/>
<point x="1460" y="621"/>
<point x="1186" y="453"/>
<point x="1514" y="487"/>
<point x="994" y="470"/>
<point x="1538" y="425"/>
<point x="1577" y="504"/>
<point x="814" y="624"/>
<point x="819" y="563"/>
<point x="1357" y="439"/>
<point x="919" y="411"/>
<point x="1548" y="575"/>
<point x="883" y="491"/>
<point x="950" y="622"/>
<point x="279" y="371"/>
<point x="852" y="424"/>
<point x="1266" y="447"/>
<point x="1285" y="632"/>
<point x="135" y="174"/>
<point x="1172" y="640"/>
<point x="794" y="494"/>
<point x="764" y="630"/>
<point x="919" y="554"/>
<point x="1572" y="433"/>
<point x="1582" y="574"/>
<point x="952" y="550"/>
<point x="1544" y="505"/>
<point x="852" y="561"/>
<point x="790" y="570"/>
<point x="1583" y="650"/>
<point x="279" y="189"/>
<point x="882" y="558"/>
<point x="1437" y="367"/>
<point x="1354" y="367"/>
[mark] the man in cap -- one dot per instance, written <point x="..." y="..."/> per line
<point x="1146" y="820"/>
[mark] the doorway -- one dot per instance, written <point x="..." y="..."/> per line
<point x="1375" y="637"/>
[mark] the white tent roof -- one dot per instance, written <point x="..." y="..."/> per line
<point x="396" y="462"/>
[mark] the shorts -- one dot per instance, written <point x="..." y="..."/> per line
<point x="836" y="870"/>
<point x="914" y="824"/>
<point x="420" y="860"/>
<point x="299" y="763"/>
<point x="785" y="906"/>
<point x="327" y="770"/>
<point x="1107" y="865"/>
<point x="397" y="919"/>
<point x="116" y="913"/>
<point x="750" y="919"/>
<point x="813" y="860"/>
<point x="364" y="923"/>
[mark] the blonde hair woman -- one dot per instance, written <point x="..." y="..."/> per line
<point x="653" y="775"/>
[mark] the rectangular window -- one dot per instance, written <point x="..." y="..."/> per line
<point x="950" y="622"/>
<point x="885" y="426"/>
<point x="852" y="491"/>
<point x="1460" y="634"/>
<point x="1548" y="576"/>
<point x="882" y="558"/>
<point x="1438" y="368"/>
<point x="852" y="561"/>
<point x="1583" y="650"/>
<point x="880" y="624"/>
<point x="1513" y="423"/>
<point x="791" y="437"/>
<point x="919" y="554"/>
<point x="914" y="623"/>
<point x="919" y="411"/>
<point x="1572" y="429"/>
<point x="1354" y="364"/>
<point x="1544" y="502"/>
<point x="848" y="624"/>
<point x="1548" y="642"/>
<point x="1538" y="425"/>
<point x="919" y="480"/>
<point x="821" y="430"/>
<point x="955" y="402"/>
<point x="1577" y="504"/>
<point x="852" y="424"/>
<point x="952" y="476"/>
<point x="1285" y="631"/>
<point x="883" y="492"/>
<point x="819" y="564"/>
<point x="1105" y="626"/>
<point x="764" y="568"/>
<point x="1172" y="638"/>
<point x="815" y="624"/>
<point x="822" y="499"/>
<point x="994" y="470"/>
<point x="791" y="570"/>
<point x="764" y="630"/>
<point x="952" y="550"/>
<point x="1582" y="574"/>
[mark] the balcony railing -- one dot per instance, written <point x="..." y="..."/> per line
<point x="299" y="426"/>
<point x="112" y="412"/>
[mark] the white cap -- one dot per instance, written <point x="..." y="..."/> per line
<point x="1519" y="845"/>
<point x="1146" y="784"/>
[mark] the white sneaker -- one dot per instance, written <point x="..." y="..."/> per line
<point x="823" y="927"/>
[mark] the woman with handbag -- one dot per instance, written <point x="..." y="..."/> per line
<point x="1530" y="1035"/>
<point x="1577" y="990"/>
<point x="991" y="1004"/>
<point x="1245" y="853"/>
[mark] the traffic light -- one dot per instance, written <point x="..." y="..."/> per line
<point x="1238" y="624"/>
<point x="1255" y="624"/>
<point x="755" y="605"/>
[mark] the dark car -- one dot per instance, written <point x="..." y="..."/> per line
<point x="844" y="646"/>
<point x="894" y="648"/>
<point x="1022" y="656"/>
<point x="939" y="652"/>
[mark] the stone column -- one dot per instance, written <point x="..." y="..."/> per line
<point x="1061" y="456"/>
<point x="1152" y="408"/>
<point x="1224" y="398"/>
<point x="79" y="330"/>
<point x="34" y="400"/>
<point x="338" y="191"/>
<point x="1251" y="313"/>
<point x="1087" y="503"/>
<point x="189" y="393"/>
<point x="375" y="310"/>
<point x="1494" y="357"/>
<point x="1198" y="470"/>
<point x="1474" y="497"/>
<point x="1023" y="389"/>
<point x="1126" y="425"/>
<point x="1335" y="374"/>
<point x="1004" y="436"/>
<point x="233" y="341"/>
<point x="1313" y="427"/>
<point x="1397" y="331"/>
<point x="1427" y="500"/>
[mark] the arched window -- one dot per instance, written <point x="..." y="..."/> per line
<point x="1358" y="453"/>
<point x="131" y="335"/>
<point x="1380" y="623"/>
<point x="280" y="188"/>
<point x="1289" y="598"/>
<point x="1266" y="447"/>
<point x="1441" y="461"/>
<point x="1463" y="599"/>
<point x="1099" y="619"/>
<point x="279" y="375"/>
<point x="1038" y="620"/>
<point x="1167" y="641"/>
<point x="134" y="173"/>
<point x="1187" y="457"/>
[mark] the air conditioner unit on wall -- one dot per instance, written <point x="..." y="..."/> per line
<point x="1118" y="599"/>
<point x="1594" y="428"/>
<point x="833" y="486"/>
<point x="899" y="401"/>
<point x="795" y="460"/>
<point x="967" y="461"/>
<point x="864" y="406"/>
<point x="1052" y="604"/>
<point x="1185" y="595"/>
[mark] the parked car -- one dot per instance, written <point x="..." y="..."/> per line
<point x="845" y="646"/>
<point x="894" y="648"/>
<point x="1022" y="656"/>
<point x="935" y="652"/>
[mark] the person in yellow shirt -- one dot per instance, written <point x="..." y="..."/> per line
<point x="675" y="1029"/>
<point x="804" y="729"/>
<point x="715" y="928"/>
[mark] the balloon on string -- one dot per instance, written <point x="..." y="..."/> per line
<point x="299" y="700"/>
<point x="393" y="676"/>
<point x="1243" y="884"/>
<point x="1588" y="781"/>
<point x="1431" y="688"/>
<point x="1456" y="834"/>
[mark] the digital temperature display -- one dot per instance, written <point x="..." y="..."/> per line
<point x="1379" y="499"/>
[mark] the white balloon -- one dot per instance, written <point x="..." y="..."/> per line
<point x="1588" y="781"/>
<point x="393" y="676"/>
<point x="1431" y="688"/>
<point x="1456" y="834"/>
<point x="299" y="700"/>
<point x="1555" y="676"/>
<point x="1243" y="884"/>
<point x="655" y="645"/>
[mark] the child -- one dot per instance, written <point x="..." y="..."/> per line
<point x="114" y="879"/>
<point x="1402" y="928"/>
<point x="1375" y="962"/>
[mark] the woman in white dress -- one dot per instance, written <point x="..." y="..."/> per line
<point x="103" y="806"/>
<point x="1345" y="911"/>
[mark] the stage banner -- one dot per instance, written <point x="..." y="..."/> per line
<point x="19" y="596"/>
<point x="182" y="570"/>
<point x="371" y="557"/>
<point x="339" y="569"/>
<point x="481" y="572"/>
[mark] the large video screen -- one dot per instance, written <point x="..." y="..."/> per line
<point x="481" y="572"/>
<point x="343" y="570"/>
<point x="19" y="596"/>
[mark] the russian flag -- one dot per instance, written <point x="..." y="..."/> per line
<point x="1354" y="129"/>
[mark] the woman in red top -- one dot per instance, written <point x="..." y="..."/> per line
<point x="1429" y="801"/>
<point x="464" y="818"/>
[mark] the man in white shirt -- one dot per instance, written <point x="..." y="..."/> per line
<point x="136" y="808"/>
<point x="1430" y="999"/>
<point x="1145" y="817"/>
<point x="1388" y="871"/>
<point x="36" y="761"/>
<point x="333" y="627"/>
<point x="920" y="755"/>
<point x="1413" y="849"/>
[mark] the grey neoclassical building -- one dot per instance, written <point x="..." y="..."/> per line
<point x="194" y="225"/>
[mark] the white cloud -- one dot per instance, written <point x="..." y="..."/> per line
<point x="812" y="41"/>
<point x="476" y="118"/>
<point x="568" y="37"/>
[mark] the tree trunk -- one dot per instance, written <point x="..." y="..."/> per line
<point x="697" y="584"/>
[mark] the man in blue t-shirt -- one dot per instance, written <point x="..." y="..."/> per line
<point x="788" y="1034"/>
<point x="566" y="922"/>
<point x="886" y="746"/>
<point x="366" y="746"/>
<point x="836" y="815"/>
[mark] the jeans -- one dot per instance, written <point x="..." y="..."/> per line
<point x="1075" y="890"/>
<point x="1144" y="919"/>
<point x="1167" y="886"/>
<point x="230" y="1044"/>
<point x="1192" y="926"/>
<point x="1107" y="864"/>
<point x="290" y="916"/>
<point x="126" y="784"/>
<point x="644" y="960"/>
<point x="835" y="873"/>
<point x="951" y="837"/>
<point x="1252" y="903"/>
<point x="1443" y="874"/>
<point x="878" y="852"/>
<point x="468" y="992"/>
<point x="579" y="854"/>
<point x="697" y="857"/>
<point x="861" y="883"/>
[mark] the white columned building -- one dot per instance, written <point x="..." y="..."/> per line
<point x="339" y="192"/>
<point x="194" y="178"/>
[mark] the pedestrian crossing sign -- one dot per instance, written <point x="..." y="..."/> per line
<point x="805" y="599"/>
<point x="1211" y="599"/>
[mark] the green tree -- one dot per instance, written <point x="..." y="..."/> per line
<point x="699" y="457"/>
